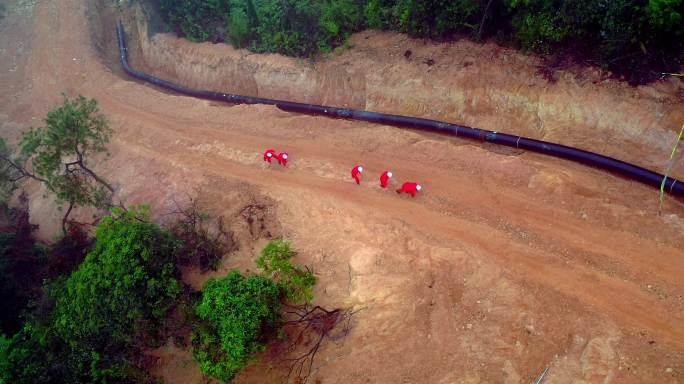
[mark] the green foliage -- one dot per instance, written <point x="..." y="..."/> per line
<point x="123" y="287"/>
<point x="238" y="28"/>
<point x="433" y="18"/>
<point x="375" y="15"/>
<point x="624" y="35"/>
<point x="665" y="15"/>
<point x="292" y="27"/>
<point x="20" y="359"/>
<point x="57" y="155"/>
<point x="91" y="326"/>
<point x="295" y="282"/>
<point x="8" y="173"/>
<point x="194" y="19"/>
<point x="35" y="354"/>
<point x="236" y="313"/>
<point x="337" y="20"/>
<point x="59" y="151"/>
<point x="628" y="36"/>
<point x="538" y="24"/>
<point x="128" y="278"/>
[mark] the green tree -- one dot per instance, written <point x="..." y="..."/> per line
<point x="338" y="19"/>
<point x="295" y="282"/>
<point x="538" y="24"/>
<point x="57" y="155"/>
<point x="18" y="359"/>
<point x="665" y="14"/>
<point x="35" y="354"/>
<point x="123" y="288"/>
<point x="236" y="313"/>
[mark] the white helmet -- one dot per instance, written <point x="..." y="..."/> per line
<point x="418" y="187"/>
<point x="269" y="154"/>
<point x="284" y="155"/>
<point x="360" y="168"/>
<point x="389" y="174"/>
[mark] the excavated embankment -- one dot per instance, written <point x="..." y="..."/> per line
<point x="503" y="93"/>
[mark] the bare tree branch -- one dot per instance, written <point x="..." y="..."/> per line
<point x="21" y="170"/>
<point x="310" y="326"/>
<point x="65" y="219"/>
<point x="91" y="173"/>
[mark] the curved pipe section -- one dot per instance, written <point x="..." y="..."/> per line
<point x="631" y="171"/>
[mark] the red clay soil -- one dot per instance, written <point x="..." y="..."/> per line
<point x="506" y="263"/>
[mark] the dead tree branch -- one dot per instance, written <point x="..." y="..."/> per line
<point x="310" y="326"/>
<point x="205" y="239"/>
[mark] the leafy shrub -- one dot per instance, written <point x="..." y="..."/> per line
<point x="238" y="28"/>
<point x="120" y="291"/>
<point x="20" y="359"/>
<point x="664" y="15"/>
<point x="295" y="282"/>
<point x="626" y="36"/>
<point x="236" y="313"/>
<point x="433" y="18"/>
<point x="91" y="326"/>
<point x="540" y="28"/>
<point x="337" y="20"/>
<point x="197" y="20"/>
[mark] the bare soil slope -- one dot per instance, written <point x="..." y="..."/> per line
<point x="507" y="263"/>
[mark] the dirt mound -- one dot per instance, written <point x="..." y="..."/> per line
<point x="506" y="263"/>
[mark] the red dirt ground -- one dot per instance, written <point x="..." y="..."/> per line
<point x="508" y="262"/>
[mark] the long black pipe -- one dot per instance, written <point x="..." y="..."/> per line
<point x="673" y="186"/>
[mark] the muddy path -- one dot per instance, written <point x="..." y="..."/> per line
<point x="507" y="263"/>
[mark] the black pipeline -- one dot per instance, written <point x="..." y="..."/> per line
<point x="631" y="171"/>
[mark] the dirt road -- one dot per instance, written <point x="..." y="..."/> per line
<point x="508" y="262"/>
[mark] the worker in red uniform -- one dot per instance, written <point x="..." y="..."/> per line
<point x="282" y="158"/>
<point x="355" y="172"/>
<point x="269" y="154"/>
<point x="384" y="178"/>
<point x="410" y="188"/>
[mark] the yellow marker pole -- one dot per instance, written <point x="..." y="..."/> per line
<point x="669" y="166"/>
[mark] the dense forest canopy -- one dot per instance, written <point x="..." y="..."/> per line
<point x="636" y="38"/>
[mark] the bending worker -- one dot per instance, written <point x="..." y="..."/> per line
<point x="410" y="188"/>
<point x="355" y="172"/>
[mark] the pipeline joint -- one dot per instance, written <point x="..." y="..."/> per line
<point x="344" y="112"/>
